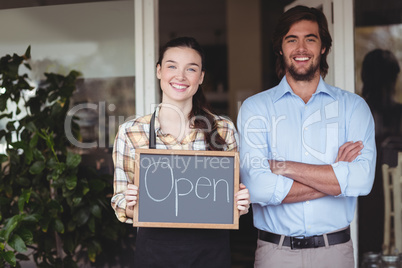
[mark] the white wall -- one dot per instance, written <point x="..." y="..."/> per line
<point x="96" y="39"/>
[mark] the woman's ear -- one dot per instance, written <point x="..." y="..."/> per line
<point x="158" y="71"/>
<point x="202" y="77"/>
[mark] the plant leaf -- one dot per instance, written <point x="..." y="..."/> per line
<point x="26" y="235"/>
<point x="32" y="218"/>
<point x="3" y="103"/>
<point x="27" y="53"/>
<point x="53" y="204"/>
<point x="73" y="160"/>
<point x="9" y="257"/>
<point x="27" y="66"/>
<point x="21" y="203"/>
<point x="3" y="158"/>
<point x="19" y="145"/>
<point x="96" y="211"/>
<point x="77" y="200"/>
<point x="17" y="243"/>
<point x="92" y="224"/>
<point x="82" y="216"/>
<point x="37" y="167"/>
<point x="34" y="141"/>
<point x="11" y="225"/>
<point x="28" y="154"/>
<point x="71" y="182"/>
<point x="24" y="198"/>
<point x="59" y="226"/>
<point x="31" y="127"/>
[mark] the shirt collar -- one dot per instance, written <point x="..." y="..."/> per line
<point x="284" y="88"/>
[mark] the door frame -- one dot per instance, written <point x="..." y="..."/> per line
<point x="146" y="40"/>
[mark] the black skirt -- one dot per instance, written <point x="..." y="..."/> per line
<point x="182" y="248"/>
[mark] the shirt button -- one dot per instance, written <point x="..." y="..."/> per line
<point x="306" y="153"/>
<point x="307" y="202"/>
<point x="308" y="227"/>
<point x="305" y="128"/>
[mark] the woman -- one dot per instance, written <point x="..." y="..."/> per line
<point x="181" y="122"/>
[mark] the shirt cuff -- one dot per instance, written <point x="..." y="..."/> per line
<point x="341" y="171"/>
<point x="282" y="188"/>
<point x="121" y="212"/>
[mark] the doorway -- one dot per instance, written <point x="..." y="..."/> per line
<point x="378" y="31"/>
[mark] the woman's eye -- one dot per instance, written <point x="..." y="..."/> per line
<point x="191" y="69"/>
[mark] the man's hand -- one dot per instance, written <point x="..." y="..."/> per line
<point x="349" y="151"/>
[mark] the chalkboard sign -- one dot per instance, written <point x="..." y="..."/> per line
<point x="186" y="189"/>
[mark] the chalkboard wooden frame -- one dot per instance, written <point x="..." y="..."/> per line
<point x="232" y="172"/>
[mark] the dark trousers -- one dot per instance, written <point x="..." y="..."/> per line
<point x="182" y="248"/>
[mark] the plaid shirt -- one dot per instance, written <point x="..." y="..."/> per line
<point x="135" y="134"/>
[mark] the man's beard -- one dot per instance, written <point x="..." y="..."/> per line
<point x="307" y="76"/>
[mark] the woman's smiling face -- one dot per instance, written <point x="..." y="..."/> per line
<point x="180" y="74"/>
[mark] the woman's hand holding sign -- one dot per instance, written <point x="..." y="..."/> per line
<point x="243" y="199"/>
<point x="131" y="199"/>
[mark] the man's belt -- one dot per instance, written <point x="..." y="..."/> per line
<point x="316" y="241"/>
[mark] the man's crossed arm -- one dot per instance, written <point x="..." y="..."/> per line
<point x="314" y="181"/>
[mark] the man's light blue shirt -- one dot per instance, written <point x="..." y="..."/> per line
<point x="278" y="124"/>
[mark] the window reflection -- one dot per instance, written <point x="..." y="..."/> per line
<point x="378" y="81"/>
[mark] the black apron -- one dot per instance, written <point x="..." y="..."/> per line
<point x="180" y="248"/>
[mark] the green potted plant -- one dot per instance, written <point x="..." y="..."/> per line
<point x="52" y="209"/>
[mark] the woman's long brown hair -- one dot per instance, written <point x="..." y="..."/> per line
<point x="202" y="118"/>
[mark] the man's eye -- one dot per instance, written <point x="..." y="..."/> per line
<point x="172" y="67"/>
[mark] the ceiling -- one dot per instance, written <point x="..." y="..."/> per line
<point x="186" y="16"/>
<point x="368" y="12"/>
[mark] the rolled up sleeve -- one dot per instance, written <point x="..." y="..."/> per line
<point x="123" y="159"/>
<point x="356" y="178"/>
<point x="265" y="187"/>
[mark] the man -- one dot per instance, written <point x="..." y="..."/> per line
<point x="303" y="184"/>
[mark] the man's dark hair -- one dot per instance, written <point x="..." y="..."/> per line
<point x="380" y="70"/>
<point x="292" y="16"/>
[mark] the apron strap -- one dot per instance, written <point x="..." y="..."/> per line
<point x="152" y="136"/>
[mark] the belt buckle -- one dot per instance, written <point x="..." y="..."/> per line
<point x="296" y="242"/>
<point x="304" y="242"/>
